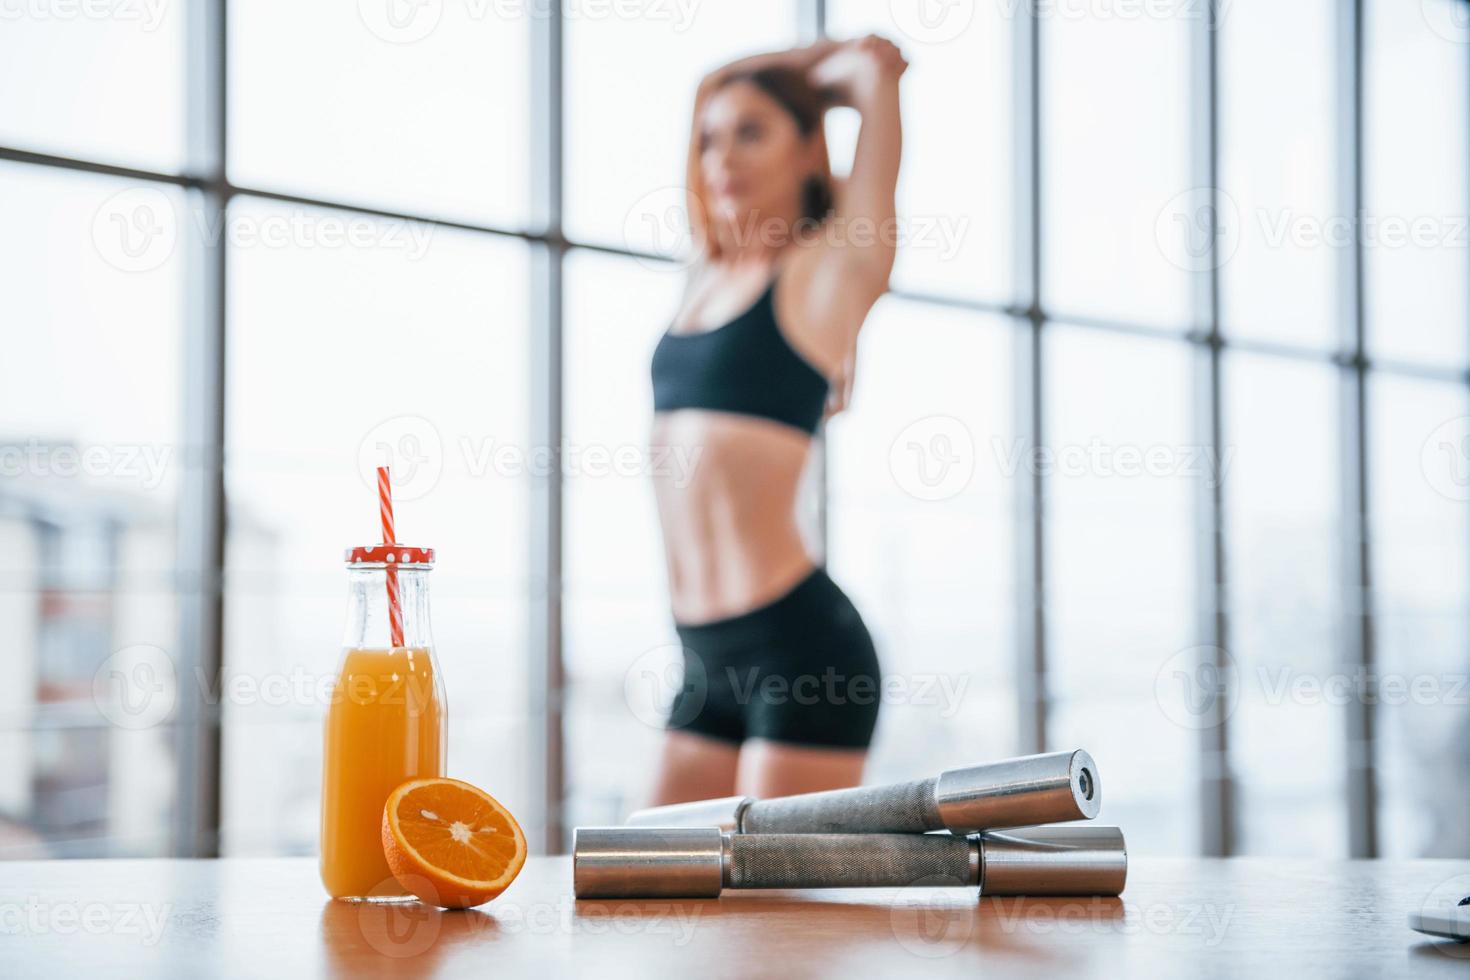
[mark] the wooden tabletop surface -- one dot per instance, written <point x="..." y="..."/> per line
<point x="1267" y="919"/>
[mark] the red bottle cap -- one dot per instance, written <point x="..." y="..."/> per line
<point x="390" y="554"/>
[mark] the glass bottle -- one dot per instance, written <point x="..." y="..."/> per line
<point x="386" y="723"/>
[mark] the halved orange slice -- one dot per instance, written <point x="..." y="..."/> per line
<point x="450" y="843"/>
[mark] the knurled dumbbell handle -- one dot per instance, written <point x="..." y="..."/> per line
<point x="848" y="860"/>
<point x="1056" y="787"/>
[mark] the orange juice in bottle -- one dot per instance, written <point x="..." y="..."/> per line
<point x="386" y="721"/>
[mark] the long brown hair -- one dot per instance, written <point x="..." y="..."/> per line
<point x="807" y="106"/>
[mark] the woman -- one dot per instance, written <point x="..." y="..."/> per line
<point x="781" y="678"/>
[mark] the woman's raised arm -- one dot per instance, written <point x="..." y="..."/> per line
<point x="864" y="73"/>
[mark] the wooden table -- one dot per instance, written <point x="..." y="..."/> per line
<point x="1266" y="919"/>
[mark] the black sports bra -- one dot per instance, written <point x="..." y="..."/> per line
<point x="745" y="366"/>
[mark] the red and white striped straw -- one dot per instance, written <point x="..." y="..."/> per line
<point x="385" y="511"/>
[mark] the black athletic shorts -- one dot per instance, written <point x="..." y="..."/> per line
<point x="801" y="670"/>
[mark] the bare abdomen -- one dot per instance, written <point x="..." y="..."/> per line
<point x="727" y="502"/>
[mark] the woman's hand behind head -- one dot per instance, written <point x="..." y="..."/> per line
<point x="855" y="67"/>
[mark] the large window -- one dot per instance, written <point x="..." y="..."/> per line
<point x="93" y="316"/>
<point x="920" y="531"/>
<point x="430" y="118"/>
<point x="342" y="359"/>
<point x="109" y="88"/>
<point x="621" y="652"/>
<point x="1416" y="196"/>
<point x="1161" y="447"/>
<point x="1119" y="584"/>
<point x="954" y="190"/>
<point x="1115" y="93"/>
<point x="1287" y="753"/>
<point x="1419" y="469"/>
<point x="1277" y="174"/>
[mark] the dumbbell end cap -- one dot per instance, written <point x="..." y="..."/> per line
<point x="1036" y="789"/>
<point x="1072" y="860"/>
<point x="647" y="862"/>
<point x="724" y="813"/>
